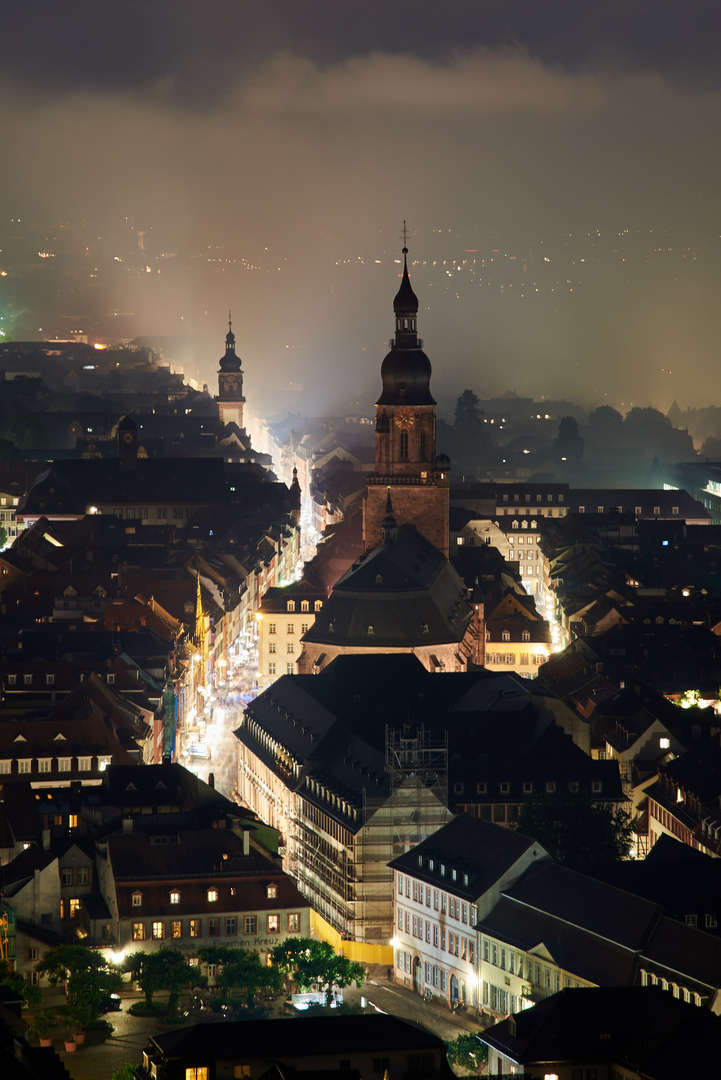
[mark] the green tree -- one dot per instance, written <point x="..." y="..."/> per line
<point x="242" y="969"/>
<point x="605" y="423"/>
<point x="88" y="975"/>
<point x="165" y="969"/>
<point x="568" y="444"/>
<point x="315" y="965"/>
<point x="573" y="829"/>
<point x="31" y="996"/>
<point x="467" y="1052"/>
<point x="126" y="1073"/>
<point x="467" y="414"/>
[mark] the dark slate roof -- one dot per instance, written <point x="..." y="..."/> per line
<point x="140" y="856"/>
<point x="406" y="590"/>
<point x="644" y="1029"/>
<point x="272" y="1039"/>
<point x="692" y="953"/>
<point x="71" y="485"/>
<point x="24" y="865"/>
<point x="478" y="849"/>
<point x="579" y="900"/>
<point x="573" y="948"/>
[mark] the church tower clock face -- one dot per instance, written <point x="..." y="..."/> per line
<point x="404" y="418"/>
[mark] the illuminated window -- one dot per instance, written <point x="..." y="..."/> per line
<point x="240" y="1072"/>
<point x="137" y="899"/>
<point x="293" y="923"/>
<point x="138" y="931"/>
<point x="175" y="897"/>
<point x="158" y="931"/>
<point x="176" y="928"/>
<point x="199" y="1072"/>
<point x="664" y="743"/>
<point x="74" y="908"/>
<point x="273" y="924"/>
<point x="212" y="895"/>
<point x="272" y="892"/>
<point x="195" y="927"/>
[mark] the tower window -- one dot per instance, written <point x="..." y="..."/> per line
<point x="403" y="446"/>
<point x="423" y="446"/>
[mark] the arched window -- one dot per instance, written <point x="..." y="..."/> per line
<point x="423" y="446"/>
<point x="403" y="446"/>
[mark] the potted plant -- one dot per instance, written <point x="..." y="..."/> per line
<point x="70" y="1044"/>
<point x="44" y="1022"/>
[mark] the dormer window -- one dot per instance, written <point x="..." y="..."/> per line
<point x="515" y="524"/>
<point x="318" y="605"/>
<point x="304" y="605"/>
<point x="291" y="605"/>
<point x="526" y="636"/>
<point x="137" y="899"/>
<point x="505" y="636"/>
<point x="370" y="630"/>
<point x="271" y="892"/>
<point x="175" y="896"/>
<point x="212" y="896"/>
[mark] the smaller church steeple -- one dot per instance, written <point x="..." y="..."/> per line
<point x="230" y="362"/>
<point x="389" y="525"/>
<point x="230" y="382"/>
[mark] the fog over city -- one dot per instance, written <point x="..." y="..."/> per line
<point x="557" y="165"/>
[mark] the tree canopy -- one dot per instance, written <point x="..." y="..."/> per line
<point x="242" y="969"/>
<point x="574" y="829"/>
<point x="316" y="965"/>
<point x="89" y="978"/>
<point x="165" y="969"/>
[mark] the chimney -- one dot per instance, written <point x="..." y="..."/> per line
<point x="211" y="780"/>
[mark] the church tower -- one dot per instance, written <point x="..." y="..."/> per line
<point x="405" y="446"/>
<point x="230" y="383"/>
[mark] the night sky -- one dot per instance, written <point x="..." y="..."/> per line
<point x="298" y="136"/>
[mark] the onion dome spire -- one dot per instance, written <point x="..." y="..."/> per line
<point x="406" y="370"/>
<point x="230" y="362"/>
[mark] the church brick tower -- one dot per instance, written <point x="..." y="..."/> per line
<point x="405" y="448"/>
<point x="230" y="383"/>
